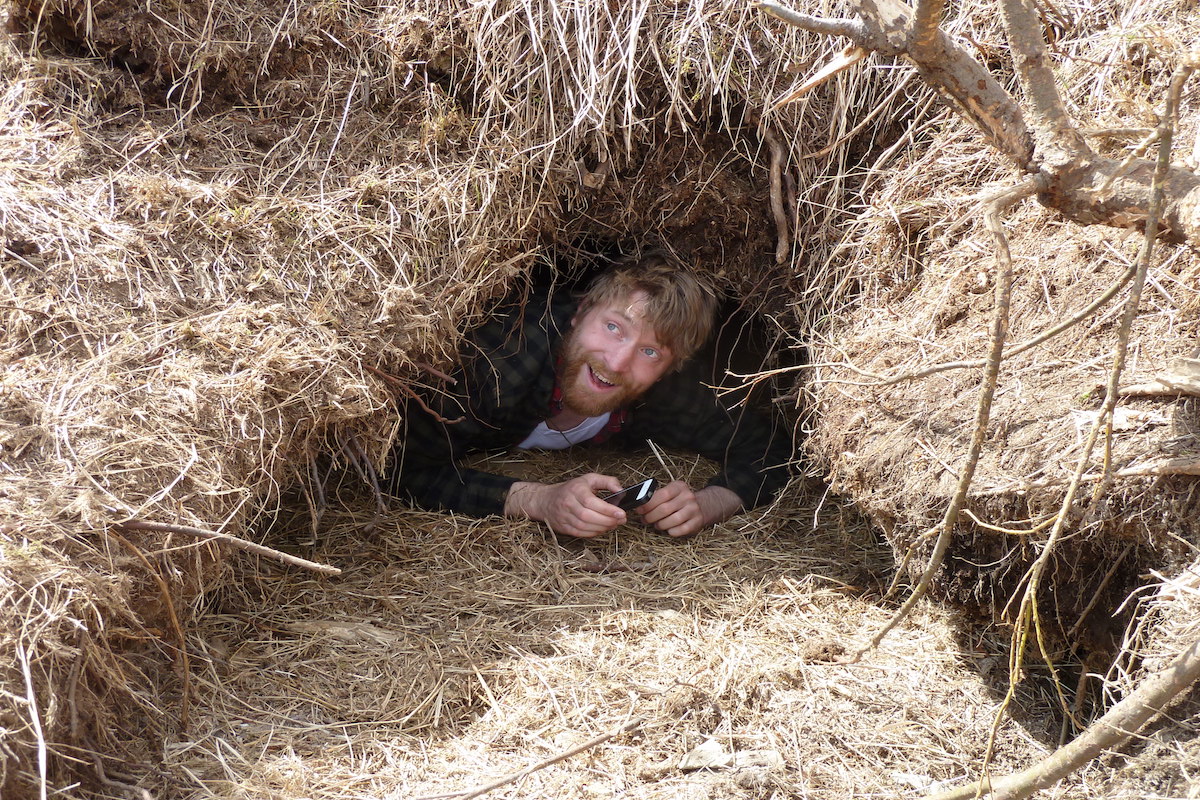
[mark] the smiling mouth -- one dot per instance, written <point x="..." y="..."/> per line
<point x="599" y="380"/>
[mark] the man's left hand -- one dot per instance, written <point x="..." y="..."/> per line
<point x="678" y="511"/>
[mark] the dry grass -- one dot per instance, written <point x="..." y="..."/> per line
<point x="452" y="652"/>
<point x="220" y="218"/>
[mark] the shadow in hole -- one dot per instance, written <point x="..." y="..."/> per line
<point x="1083" y="613"/>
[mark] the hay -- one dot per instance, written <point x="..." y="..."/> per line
<point x="896" y="446"/>
<point x="454" y="651"/>
<point x="223" y="222"/>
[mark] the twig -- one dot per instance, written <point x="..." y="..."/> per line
<point x="435" y="372"/>
<point x="1017" y="349"/>
<point x="26" y="310"/>
<point x="233" y="541"/>
<point x="995" y="206"/>
<point x="783" y="243"/>
<point x="1099" y="590"/>
<point x="467" y="794"/>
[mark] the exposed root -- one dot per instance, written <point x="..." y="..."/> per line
<point x="999" y="333"/>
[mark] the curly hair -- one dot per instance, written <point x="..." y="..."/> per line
<point x="680" y="304"/>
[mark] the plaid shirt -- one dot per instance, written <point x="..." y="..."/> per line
<point x="506" y="386"/>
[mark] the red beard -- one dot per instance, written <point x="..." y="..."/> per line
<point x="578" y="394"/>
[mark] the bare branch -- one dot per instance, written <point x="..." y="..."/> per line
<point x="1113" y="727"/>
<point x="1083" y="186"/>
<point x="852" y="29"/>
<point x="1058" y="141"/>
<point x="783" y="246"/>
<point x="1121" y="722"/>
<point x="925" y="26"/>
<point x="886" y="28"/>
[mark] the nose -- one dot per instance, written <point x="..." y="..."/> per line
<point x="621" y="355"/>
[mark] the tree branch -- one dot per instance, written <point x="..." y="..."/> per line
<point x="852" y="29"/>
<point x="1084" y="187"/>
<point x="1057" y="140"/>
<point x="926" y="23"/>
<point x="887" y="27"/>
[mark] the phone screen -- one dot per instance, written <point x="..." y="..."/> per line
<point x="633" y="496"/>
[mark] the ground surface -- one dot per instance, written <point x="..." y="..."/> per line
<point x="451" y="653"/>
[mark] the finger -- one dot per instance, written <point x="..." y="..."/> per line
<point x="681" y="523"/>
<point x="661" y="510"/>
<point x="601" y="483"/>
<point x="581" y="533"/>
<point x="595" y="513"/>
<point x="688" y="529"/>
<point x="661" y="498"/>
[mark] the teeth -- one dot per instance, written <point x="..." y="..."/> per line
<point x="600" y="379"/>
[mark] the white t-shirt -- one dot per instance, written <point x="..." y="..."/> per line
<point x="546" y="438"/>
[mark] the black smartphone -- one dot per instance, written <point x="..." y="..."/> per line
<point x="631" y="497"/>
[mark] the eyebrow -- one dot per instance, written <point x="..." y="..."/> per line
<point x="656" y="343"/>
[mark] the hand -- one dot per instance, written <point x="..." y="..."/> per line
<point x="678" y="511"/>
<point x="570" y="507"/>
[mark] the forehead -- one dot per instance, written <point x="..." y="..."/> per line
<point x="631" y="306"/>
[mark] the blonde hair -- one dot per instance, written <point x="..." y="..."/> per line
<point x="679" y="304"/>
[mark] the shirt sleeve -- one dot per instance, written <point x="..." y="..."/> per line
<point x="500" y="391"/>
<point x="426" y="469"/>
<point x="752" y="449"/>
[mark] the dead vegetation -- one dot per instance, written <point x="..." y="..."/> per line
<point x="224" y="222"/>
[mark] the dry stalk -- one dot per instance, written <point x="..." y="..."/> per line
<point x="232" y="541"/>
<point x="999" y="332"/>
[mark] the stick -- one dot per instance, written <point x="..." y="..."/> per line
<point x="408" y="390"/>
<point x="783" y="244"/>
<point x="233" y="541"/>
<point x="467" y="794"/>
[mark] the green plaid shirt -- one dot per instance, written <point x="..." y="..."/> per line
<point x="503" y="390"/>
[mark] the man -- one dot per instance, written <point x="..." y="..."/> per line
<point x="612" y="366"/>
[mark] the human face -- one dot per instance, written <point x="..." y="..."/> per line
<point x="612" y="356"/>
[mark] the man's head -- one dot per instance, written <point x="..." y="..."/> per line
<point x="636" y="322"/>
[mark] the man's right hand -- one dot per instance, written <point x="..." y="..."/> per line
<point x="571" y="507"/>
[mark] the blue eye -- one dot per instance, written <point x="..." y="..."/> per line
<point x="612" y="326"/>
<point x="649" y="352"/>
